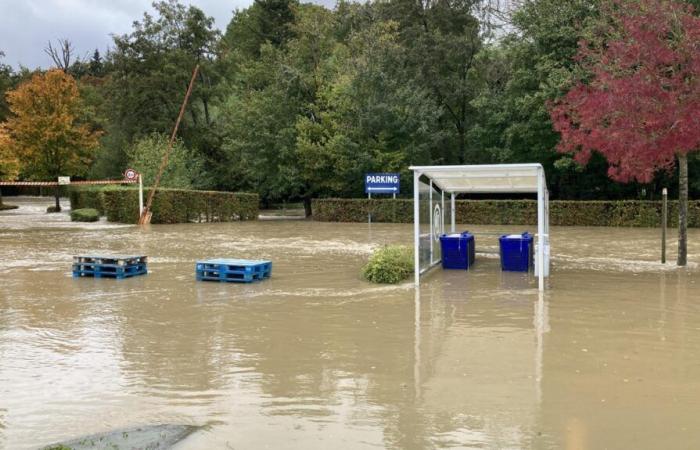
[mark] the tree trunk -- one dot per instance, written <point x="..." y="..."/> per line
<point x="57" y="195"/>
<point x="682" y="209"/>
<point x="307" y="206"/>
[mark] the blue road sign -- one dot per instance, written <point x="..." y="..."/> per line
<point x="382" y="183"/>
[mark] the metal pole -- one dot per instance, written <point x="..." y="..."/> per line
<point x="540" y="229"/>
<point x="369" y="206"/>
<point x="146" y="216"/>
<point x="430" y="214"/>
<point x="140" y="195"/>
<point x="452" y="201"/>
<point x="416" y="229"/>
<point x="664" y="223"/>
<point x="442" y="217"/>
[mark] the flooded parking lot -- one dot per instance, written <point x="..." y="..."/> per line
<point x="316" y="358"/>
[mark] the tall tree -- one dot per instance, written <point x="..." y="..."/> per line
<point x="441" y="40"/>
<point x="149" y="70"/>
<point x="639" y="104"/>
<point x="265" y="21"/>
<point x="45" y="130"/>
<point x="6" y="83"/>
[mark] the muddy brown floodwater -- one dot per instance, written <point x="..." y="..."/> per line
<point x="316" y="358"/>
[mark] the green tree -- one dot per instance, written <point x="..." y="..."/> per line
<point x="149" y="70"/>
<point x="184" y="170"/>
<point x="441" y="40"/>
<point x="265" y="21"/>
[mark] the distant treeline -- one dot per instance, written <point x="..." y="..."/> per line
<point x="297" y="101"/>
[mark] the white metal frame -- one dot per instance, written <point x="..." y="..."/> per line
<point x="488" y="178"/>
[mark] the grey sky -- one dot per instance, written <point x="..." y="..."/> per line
<point x="27" y="25"/>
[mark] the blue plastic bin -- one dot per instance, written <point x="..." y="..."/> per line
<point x="457" y="250"/>
<point x="516" y="252"/>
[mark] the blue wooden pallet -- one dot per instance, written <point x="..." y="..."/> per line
<point x="109" y="266"/>
<point x="108" y="270"/>
<point x="233" y="270"/>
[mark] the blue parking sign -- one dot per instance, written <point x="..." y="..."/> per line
<point x="382" y="183"/>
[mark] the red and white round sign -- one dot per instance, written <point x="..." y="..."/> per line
<point x="130" y="174"/>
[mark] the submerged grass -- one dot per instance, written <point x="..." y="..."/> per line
<point x="389" y="265"/>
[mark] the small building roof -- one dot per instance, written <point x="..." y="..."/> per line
<point x="483" y="178"/>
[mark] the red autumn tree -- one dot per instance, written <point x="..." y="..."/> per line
<point x="638" y="103"/>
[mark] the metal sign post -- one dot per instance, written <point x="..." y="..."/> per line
<point x="131" y="176"/>
<point x="381" y="183"/>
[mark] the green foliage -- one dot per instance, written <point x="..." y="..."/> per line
<point x="53" y="209"/>
<point x="184" y="169"/>
<point x="87" y="197"/>
<point x="296" y="101"/>
<point x="84" y="215"/>
<point x="390" y="265"/>
<point x="120" y="204"/>
<point x="148" y="72"/>
<point x="626" y="213"/>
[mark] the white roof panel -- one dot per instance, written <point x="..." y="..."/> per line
<point x="487" y="178"/>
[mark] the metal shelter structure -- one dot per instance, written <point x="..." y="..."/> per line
<point x="431" y="183"/>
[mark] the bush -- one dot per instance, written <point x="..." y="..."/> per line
<point x="87" y="197"/>
<point x="120" y="204"/>
<point x="53" y="209"/>
<point x="391" y="264"/>
<point x="5" y="206"/>
<point x="613" y="213"/>
<point x="85" y="215"/>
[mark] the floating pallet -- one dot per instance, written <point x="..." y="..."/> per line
<point x="233" y="270"/>
<point x="113" y="266"/>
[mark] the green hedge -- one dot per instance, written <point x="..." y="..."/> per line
<point x="625" y="213"/>
<point x="120" y="204"/>
<point x="87" y="197"/>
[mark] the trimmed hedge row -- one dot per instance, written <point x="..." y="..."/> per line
<point x="624" y="213"/>
<point x="120" y="204"/>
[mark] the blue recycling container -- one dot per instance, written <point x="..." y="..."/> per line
<point x="516" y="252"/>
<point x="457" y="250"/>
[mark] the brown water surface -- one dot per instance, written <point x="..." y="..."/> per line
<point x="316" y="358"/>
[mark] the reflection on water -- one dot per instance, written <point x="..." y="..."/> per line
<point x="607" y="357"/>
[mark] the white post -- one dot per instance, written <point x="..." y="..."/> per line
<point x="540" y="228"/>
<point x="416" y="228"/>
<point x="430" y="214"/>
<point x="140" y="195"/>
<point x="442" y="217"/>
<point x="452" y="201"/>
<point x="546" y="228"/>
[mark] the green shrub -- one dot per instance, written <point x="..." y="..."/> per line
<point x="614" y="213"/>
<point x="85" y="215"/>
<point x="5" y="206"/>
<point x="88" y="197"/>
<point x="53" y="209"/>
<point x="391" y="264"/>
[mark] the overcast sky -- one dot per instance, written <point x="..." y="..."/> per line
<point x="27" y="25"/>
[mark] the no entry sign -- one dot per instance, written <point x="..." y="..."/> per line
<point x="130" y="174"/>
